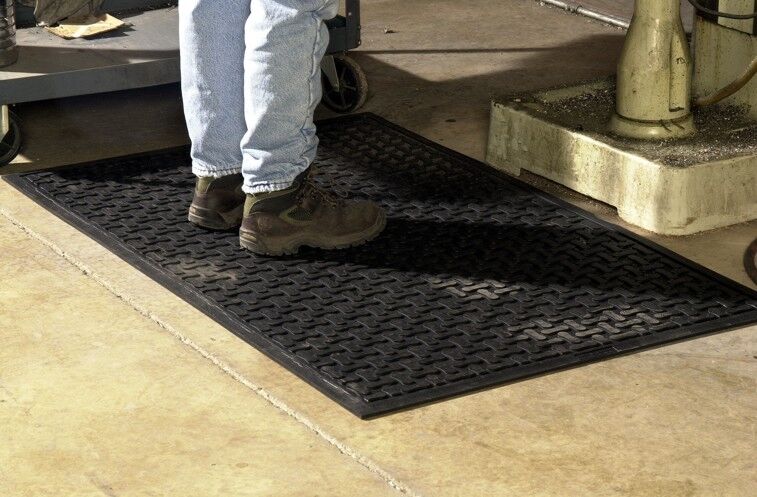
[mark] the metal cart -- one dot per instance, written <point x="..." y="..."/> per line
<point x="49" y="67"/>
<point x="345" y="86"/>
<point x="10" y="138"/>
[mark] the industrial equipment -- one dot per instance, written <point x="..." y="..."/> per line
<point x="654" y="75"/>
<point x="652" y="142"/>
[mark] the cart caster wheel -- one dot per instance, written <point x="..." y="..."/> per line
<point x="750" y="261"/>
<point x="11" y="142"/>
<point x="353" y="87"/>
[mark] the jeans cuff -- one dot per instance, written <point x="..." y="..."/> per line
<point x="205" y="171"/>
<point x="268" y="186"/>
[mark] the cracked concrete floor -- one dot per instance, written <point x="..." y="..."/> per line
<point x="110" y="385"/>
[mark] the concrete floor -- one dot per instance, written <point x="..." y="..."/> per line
<point x="110" y="385"/>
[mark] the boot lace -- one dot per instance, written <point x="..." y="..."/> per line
<point x="311" y="189"/>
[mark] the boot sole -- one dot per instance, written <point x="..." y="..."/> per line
<point x="291" y="246"/>
<point x="215" y="220"/>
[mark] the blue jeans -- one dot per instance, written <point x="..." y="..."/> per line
<point x="251" y="80"/>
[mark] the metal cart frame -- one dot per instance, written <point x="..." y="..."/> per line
<point x="345" y="86"/>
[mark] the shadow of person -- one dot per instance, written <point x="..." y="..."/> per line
<point x="565" y="262"/>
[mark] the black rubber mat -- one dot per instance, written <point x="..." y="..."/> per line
<point x="478" y="279"/>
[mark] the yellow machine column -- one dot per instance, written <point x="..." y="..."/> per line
<point x="654" y="75"/>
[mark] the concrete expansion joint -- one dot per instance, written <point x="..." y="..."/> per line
<point x="224" y="367"/>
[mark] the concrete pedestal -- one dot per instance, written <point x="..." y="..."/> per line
<point x="676" y="187"/>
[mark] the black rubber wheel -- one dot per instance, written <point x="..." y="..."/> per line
<point x="750" y="261"/>
<point x="353" y="89"/>
<point x="11" y="143"/>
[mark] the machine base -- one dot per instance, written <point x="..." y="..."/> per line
<point x="674" y="187"/>
<point x="661" y="130"/>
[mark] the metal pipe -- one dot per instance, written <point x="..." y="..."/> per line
<point x="8" y="48"/>
<point x="593" y="14"/>
<point x="5" y="122"/>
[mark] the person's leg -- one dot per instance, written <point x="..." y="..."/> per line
<point x="273" y="140"/>
<point x="285" y="42"/>
<point x="285" y="209"/>
<point x="211" y="34"/>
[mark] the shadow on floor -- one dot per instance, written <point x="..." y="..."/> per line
<point x="421" y="104"/>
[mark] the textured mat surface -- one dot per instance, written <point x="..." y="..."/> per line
<point x="478" y="279"/>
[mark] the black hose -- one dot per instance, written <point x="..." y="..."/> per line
<point x="702" y="8"/>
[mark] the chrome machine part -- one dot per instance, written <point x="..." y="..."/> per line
<point x="587" y="12"/>
<point x="328" y="66"/>
<point x="5" y="122"/>
<point x="8" y="48"/>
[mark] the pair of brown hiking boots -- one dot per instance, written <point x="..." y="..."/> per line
<point x="280" y="222"/>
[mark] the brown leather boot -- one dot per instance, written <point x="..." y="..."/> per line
<point x="280" y="222"/>
<point x="218" y="202"/>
